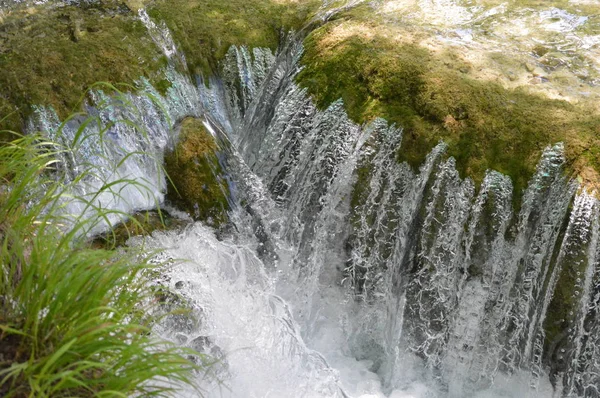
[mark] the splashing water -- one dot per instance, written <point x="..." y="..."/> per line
<point x="345" y="273"/>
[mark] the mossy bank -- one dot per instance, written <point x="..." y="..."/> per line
<point x="196" y="179"/>
<point x="434" y="93"/>
<point x="51" y="54"/>
<point x="205" y="29"/>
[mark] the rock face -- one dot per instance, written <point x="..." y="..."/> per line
<point x="196" y="181"/>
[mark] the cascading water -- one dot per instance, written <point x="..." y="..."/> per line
<point x="427" y="272"/>
<point x="345" y="272"/>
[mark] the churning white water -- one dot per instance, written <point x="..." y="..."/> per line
<point x="245" y="311"/>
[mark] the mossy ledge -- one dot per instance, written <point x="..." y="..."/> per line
<point x="433" y="96"/>
<point x="205" y="29"/>
<point x="196" y="181"/>
<point x="51" y="54"/>
<point x="141" y="223"/>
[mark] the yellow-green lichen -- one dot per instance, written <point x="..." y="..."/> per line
<point x="196" y="184"/>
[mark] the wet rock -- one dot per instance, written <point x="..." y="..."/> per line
<point x="75" y="31"/>
<point x="182" y="323"/>
<point x="139" y="223"/>
<point x="540" y="50"/>
<point x="181" y="338"/>
<point x="529" y="67"/>
<point x="196" y="182"/>
<point x="212" y="357"/>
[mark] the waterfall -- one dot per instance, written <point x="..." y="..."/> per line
<point x="344" y="272"/>
<point x="439" y="272"/>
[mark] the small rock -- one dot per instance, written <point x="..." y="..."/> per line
<point x="538" y="72"/>
<point x="75" y="30"/>
<point x="529" y="67"/>
<point x="540" y="50"/>
<point x="181" y="338"/>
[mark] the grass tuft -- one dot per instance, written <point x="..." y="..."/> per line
<point x="73" y="320"/>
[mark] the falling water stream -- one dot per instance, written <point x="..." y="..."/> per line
<point x="344" y="273"/>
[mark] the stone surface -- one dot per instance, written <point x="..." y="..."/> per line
<point x="196" y="180"/>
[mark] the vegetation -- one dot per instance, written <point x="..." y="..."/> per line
<point x="50" y="55"/>
<point x="196" y="178"/>
<point x="73" y="320"/>
<point x="433" y="96"/>
<point x="140" y="223"/>
<point x="205" y="29"/>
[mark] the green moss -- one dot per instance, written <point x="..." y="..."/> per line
<point x="485" y="125"/>
<point x="205" y="29"/>
<point x="196" y="183"/>
<point x="50" y="55"/>
<point x="140" y="223"/>
<point x="162" y="86"/>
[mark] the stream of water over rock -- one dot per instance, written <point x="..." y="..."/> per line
<point x="419" y="286"/>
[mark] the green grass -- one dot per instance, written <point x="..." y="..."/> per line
<point x="73" y="320"/>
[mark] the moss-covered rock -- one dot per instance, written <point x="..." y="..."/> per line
<point x="434" y="94"/>
<point x="51" y="55"/>
<point x="196" y="182"/>
<point x="205" y="29"/>
<point x="140" y="223"/>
